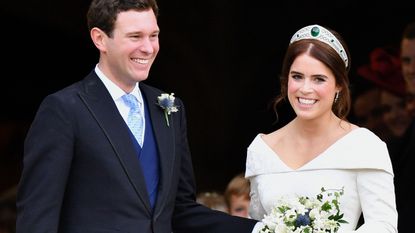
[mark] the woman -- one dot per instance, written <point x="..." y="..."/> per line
<point x="319" y="148"/>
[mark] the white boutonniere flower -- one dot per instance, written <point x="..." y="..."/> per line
<point x="166" y="102"/>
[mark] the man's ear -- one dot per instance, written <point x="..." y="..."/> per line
<point x="99" y="38"/>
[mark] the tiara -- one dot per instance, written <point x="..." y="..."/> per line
<point x="318" y="32"/>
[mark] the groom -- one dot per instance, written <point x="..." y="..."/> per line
<point x="102" y="155"/>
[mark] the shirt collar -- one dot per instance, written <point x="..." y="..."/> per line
<point x="115" y="91"/>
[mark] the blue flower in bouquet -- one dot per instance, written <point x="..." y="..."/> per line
<point x="166" y="102"/>
<point x="303" y="220"/>
<point x="306" y="215"/>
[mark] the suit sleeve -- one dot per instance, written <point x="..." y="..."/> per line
<point x="189" y="216"/>
<point x="48" y="151"/>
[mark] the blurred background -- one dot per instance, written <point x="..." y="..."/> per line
<point x="221" y="57"/>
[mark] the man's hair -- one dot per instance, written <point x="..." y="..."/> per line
<point x="103" y="13"/>
<point x="409" y="31"/>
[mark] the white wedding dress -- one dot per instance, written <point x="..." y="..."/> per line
<point x="359" y="162"/>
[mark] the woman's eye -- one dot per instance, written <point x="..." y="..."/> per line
<point x="319" y="79"/>
<point x="296" y="77"/>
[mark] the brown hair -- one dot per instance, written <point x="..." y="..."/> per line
<point x="103" y="13"/>
<point x="409" y="31"/>
<point x="213" y="200"/>
<point x="238" y="186"/>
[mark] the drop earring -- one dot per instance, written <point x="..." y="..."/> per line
<point x="336" y="97"/>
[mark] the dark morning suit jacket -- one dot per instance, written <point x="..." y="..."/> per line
<point x="404" y="162"/>
<point x="81" y="173"/>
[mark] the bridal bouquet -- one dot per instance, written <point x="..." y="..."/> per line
<point x="306" y="215"/>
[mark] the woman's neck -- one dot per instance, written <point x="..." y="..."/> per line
<point x="315" y="128"/>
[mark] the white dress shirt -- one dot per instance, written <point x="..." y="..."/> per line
<point x="116" y="93"/>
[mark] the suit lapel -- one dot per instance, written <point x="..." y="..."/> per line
<point x="164" y="137"/>
<point x="99" y="102"/>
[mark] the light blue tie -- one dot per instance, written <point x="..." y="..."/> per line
<point x="135" y="119"/>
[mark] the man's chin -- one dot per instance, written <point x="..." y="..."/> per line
<point x="141" y="77"/>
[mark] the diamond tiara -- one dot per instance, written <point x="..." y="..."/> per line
<point x="318" y="32"/>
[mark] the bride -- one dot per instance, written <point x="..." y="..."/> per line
<point x="319" y="147"/>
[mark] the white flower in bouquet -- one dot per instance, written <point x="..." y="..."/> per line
<point x="306" y="215"/>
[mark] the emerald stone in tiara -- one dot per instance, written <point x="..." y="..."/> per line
<point x="320" y="33"/>
<point x="315" y="31"/>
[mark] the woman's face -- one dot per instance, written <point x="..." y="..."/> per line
<point x="311" y="87"/>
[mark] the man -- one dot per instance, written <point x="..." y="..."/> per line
<point x="404" y="163"/>
<point x="102" y="156"/>
<point x="408" y="56"/>
<point x="408" y="64"/>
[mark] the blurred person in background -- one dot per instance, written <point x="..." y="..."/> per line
<point x="405" y="161"/>
<point x="384" y="72"/>
<point x="213" y="200"/>
<point x="237" y="196"/>
<point x="367" y="112"/>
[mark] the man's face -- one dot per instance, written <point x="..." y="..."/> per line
<point x="128" y="54"/>
<point x="408" y="63"/>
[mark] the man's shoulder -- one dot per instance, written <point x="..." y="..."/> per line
<point x="154" y="92"/>
<point x="70" y="91"/>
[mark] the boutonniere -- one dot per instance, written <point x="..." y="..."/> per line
<point x="166" y="102"/>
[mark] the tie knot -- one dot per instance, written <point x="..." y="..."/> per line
<point x="131" y="101"/>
